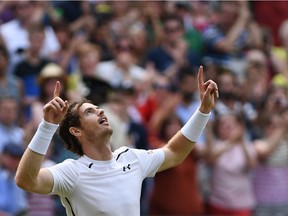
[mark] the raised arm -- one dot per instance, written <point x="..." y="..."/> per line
<point x="181" y="144"/>
<point x="29" y="175"/>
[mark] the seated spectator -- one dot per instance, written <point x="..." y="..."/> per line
<point x="9" y="129"/>
<point x="13" y="200"/>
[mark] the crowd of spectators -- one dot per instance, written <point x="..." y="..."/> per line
<point x="138" y="60"/>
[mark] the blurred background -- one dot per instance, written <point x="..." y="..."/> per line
<point x="138" y="60"/>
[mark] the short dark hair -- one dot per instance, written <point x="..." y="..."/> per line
<point x="173" y="17"/>
<point x="185" y="72"/>
<point x="72" y="119"/>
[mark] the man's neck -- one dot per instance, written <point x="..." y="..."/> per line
<point x="99" y="154"/>
<point x="100" y="151"/>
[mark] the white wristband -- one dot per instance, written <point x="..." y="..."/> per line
<point x="42" y="138"/>
<point x="195" y="125"/>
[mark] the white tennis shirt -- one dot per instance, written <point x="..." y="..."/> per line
<point x="89" y="187"/>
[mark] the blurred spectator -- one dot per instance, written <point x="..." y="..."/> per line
<point x="271" y="175"/>
<point x="13" y="200"/>
<point x="9" y="129"/>
<point x="123" y="15"/>
<point x="232" y="31"/>
<point x="257" y="77"/>
<point x="166" y="199"/>
<point x="153" y="12"/>
<point x="16" y="37"/>
<point x="139" y="38"/>
<point x="254" y="89"/>
<point x="173" y="52"/>
<point x="78" y="15"/>
<point x="99" y="33"/>
<point x="231" y="158"/>
<point x="277" y="100"/>
<point x="10" y="85"/>
<point x="151" y="101"/>
<point x="123" y="67"/>
<point x="83" y="82"/>
<point x="29" y="68"/>
<point x="68" y="42"/>
<point x="231" y="100"/>
<point x="201" y="12"/>
<point x="195" y="19"/>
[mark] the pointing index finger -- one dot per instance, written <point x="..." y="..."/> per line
<point x="57" y="89"/>
<point x="200" y="77"/>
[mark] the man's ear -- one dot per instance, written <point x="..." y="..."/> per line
<point x="75" y="131"/>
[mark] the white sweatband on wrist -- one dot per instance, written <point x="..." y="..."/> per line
<point x="195" y="125"/>
<point x="42" y="138"/>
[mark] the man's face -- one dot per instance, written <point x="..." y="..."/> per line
<point x="94" y="123"/>
<point x="228" y="14"/>
<point x="24" y="9"/>
<point x="173" y="31"/>
<point x="8" y="111"/>
<point x="10" y="162"/>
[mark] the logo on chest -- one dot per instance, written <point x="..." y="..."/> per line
<point x="126" y="168"/>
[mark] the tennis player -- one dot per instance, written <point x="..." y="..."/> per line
<point x="102" y="182"/>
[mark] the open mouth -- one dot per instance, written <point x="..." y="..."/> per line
<point x="102" y="120"/>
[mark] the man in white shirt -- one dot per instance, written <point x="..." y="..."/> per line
<point x="102" y="182"/>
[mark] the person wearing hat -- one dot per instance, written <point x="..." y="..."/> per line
<point x="13" y="200"/>
<point x="46" y="81"/>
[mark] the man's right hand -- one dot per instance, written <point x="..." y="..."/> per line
<point x="55" y="110"/>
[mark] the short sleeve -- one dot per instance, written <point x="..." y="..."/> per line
<point x="65" y="177"/>
<point x="150" y="160"/>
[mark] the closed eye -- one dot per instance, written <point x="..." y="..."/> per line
<point x="89" y="111"/>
